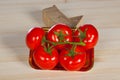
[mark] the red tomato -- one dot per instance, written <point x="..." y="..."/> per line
<point x="45" y="60"/>
<point x="89" y="60"/>
<point x="91" y="37"/>
<point x="34" y="37"/>
<point x="73" y="63"/>
<point x="60" y="33"/>
<point x="31" y="61"/>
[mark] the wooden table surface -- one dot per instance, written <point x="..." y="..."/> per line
<point x="18" y="16"/>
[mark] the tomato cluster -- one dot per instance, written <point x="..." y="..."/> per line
<point x="61" y="46"/>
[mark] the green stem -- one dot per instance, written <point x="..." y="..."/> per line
<point x="53" y="43"/>
<point x="72" y="51"/>
<point x="73" y="43"/>
<point x="73" y="47"/>
<point x="48" y="48"/>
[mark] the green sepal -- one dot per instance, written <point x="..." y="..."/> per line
<point x="60" y="35"/>
<point x="72" y="52"/>
<point x="48" y="48"/>
<point x="43" y="40"/>
<point x="82" y="34"/>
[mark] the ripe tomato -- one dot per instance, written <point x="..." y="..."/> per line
<point x="89" y="60"/>
<point x="75" y="62"/>
<point x="89" y="34"/>
<point x="31" y="61"/>
<point x="45" y="60"/>
<point x="34" y="37"/>
<point x="60" y="33"/>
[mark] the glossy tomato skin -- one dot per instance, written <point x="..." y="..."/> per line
<point x="91" y="35"/>
<point x="45" y="60"/>
<point x="89" y="60"/>
<point x="31" y="61"/>
<point x="66" y="31"/>
<point x="34" y="37"/>
<point x="73" y="63"/>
